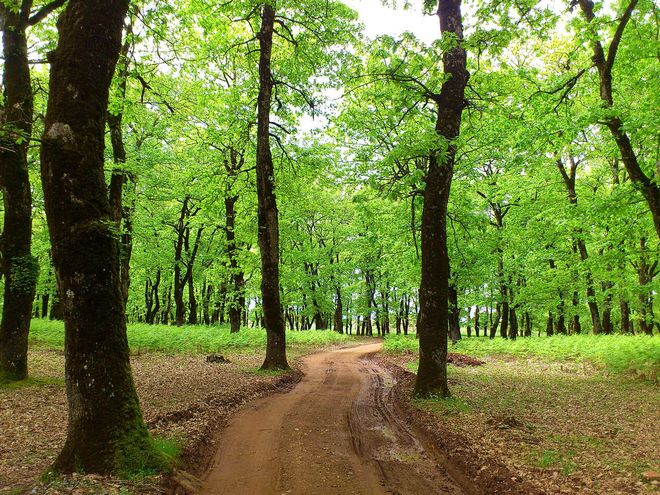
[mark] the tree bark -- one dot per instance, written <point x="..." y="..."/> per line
<point x="19" y="267"/>
<point x="267" y="205"/>
<point x="106" y="431"/>
<point x="625" y="318"/>
<point x="454" y="315"/>
<point x="476" y="320"/>
<point x="338" y="316"/>
<point x="434" y="287"/>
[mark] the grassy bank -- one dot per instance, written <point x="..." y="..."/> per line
<point x="614" y="353"/>
<point x="190" y="338"/>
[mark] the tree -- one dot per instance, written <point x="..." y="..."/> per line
<point x="612" y="119"/>
<point x="434" y="287"/>
<point x="267" y="204"/>
<point x="106" y="431"/>
<point x="17" y="264"/>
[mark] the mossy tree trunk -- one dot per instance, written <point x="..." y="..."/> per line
<point x="106" y="432"/>
<point x="18" y="266"/>
<point x="267" y="204"/>
<point x="434" y="287"/>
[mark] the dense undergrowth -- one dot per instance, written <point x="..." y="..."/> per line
<point x="638" y="354"/>
<point x="190" y="338"/>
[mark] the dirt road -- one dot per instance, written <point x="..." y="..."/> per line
<point x="336" y="432"/>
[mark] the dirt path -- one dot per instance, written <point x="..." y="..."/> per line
<point x="335" y="433"/>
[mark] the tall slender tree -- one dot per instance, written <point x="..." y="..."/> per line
<point x="434" y="287"/>
<point x="106" y="431"/>
<point x="267" y="204"/>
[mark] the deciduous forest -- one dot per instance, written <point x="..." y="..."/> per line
<point x="282" y="247"/>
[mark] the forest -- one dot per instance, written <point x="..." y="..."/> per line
<point x="211" y="204"/>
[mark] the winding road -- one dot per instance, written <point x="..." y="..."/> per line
<point x="336" y="432"/>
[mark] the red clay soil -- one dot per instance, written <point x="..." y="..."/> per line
<point x="339" y="431"/>
<point x="461" y="360"/>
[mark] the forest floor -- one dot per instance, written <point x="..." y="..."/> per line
<point x="556" y="426"/>
<point x="515" y="424"/>
<point x="184" y="399"/>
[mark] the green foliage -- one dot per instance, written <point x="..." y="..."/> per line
<point x="614" y="353"/>
<point x="189" y="338"/>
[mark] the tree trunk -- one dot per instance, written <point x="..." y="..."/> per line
<point x="267" y="204"/>
<point x="495" y="323"/>
<point x="44" y="304"/>
<point x="513" y="324"/>
<point x="646" y="272"/>
<point x="386" y="312"/>
<point x="122" y="213"/>
<point x="625" y="317"/>
<point x="338" y="317"/>
<point x="106" y="432"/>
<point x="192" y="302"/>
<point x="237" y="296"/>
<point x="476" y="320"/>
<point x="152" y="299"/>
<point x="454" y="315"/>
<point x="528" y="325"/>
<point x="434" y="287"/>
<point x="19" y="267"/>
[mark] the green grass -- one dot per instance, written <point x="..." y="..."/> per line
<point x="554" y="459"/>
<point x="190" y="338"/>
<point x="614" y="353"/>
<point x="29" y="382"/>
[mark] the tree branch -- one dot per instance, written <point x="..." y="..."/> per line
<point x="614" y="45"/>
<point x="44" y="11"/>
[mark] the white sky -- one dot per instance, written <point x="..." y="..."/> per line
<point x="379" y="19"/>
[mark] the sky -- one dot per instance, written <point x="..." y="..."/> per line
<point x="379" y="19"/>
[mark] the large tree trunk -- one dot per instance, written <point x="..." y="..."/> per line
<point x="106" y="432"/>
<point x="267" y="205"/>
<point x="434" y="287"/>
<point x="19" y="267"/>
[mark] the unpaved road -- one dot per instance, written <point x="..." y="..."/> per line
<point x="336" y="432"/>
